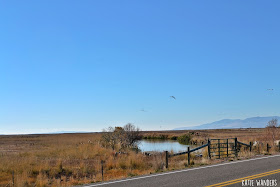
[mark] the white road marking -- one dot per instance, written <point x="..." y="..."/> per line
<point x="179" y="171"/>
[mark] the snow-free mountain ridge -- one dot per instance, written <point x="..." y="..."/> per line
<point x="253" y="122"/>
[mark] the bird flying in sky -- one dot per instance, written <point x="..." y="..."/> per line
<point x="173" y="97"/>
<point x="270" y="89"/>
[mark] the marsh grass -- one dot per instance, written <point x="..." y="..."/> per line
<point x="75" y="159"/>
<point x="66" y="160"/>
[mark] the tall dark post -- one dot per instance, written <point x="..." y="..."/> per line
<point x="227" y="148"/>
<point x="267" y="147"/>
<point x="13" y="178"/>
<point x="235" y="147"/>
<point x="209" y="150"/>
<point x="166" y="159"/>
<point x="219" y="148"/>
<point x="250" y="146"/>
<point x="279" y="146"/>
<point x="189" y="155"/>
<point x="102" y="162"/>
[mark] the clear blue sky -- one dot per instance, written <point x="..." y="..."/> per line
<point x="86" y="65"/>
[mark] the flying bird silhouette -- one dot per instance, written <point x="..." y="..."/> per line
<point x="271" y="89"/>
<point x="173" y="97"/>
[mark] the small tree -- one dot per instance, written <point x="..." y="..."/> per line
<point x="109" y="138"/>
<point x="272" y="130"/>
<point x="132" y="134"/>
<point x="123" y="137"/>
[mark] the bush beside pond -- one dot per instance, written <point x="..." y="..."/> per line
<point x="185" y="139"/>
<point x="158" y="137"/>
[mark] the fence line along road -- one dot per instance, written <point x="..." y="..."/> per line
<point x="203" y="176"/>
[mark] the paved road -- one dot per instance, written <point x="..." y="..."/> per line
<point x="226" y="174"/>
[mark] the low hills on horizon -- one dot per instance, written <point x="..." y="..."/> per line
<point x="253" y="122"/>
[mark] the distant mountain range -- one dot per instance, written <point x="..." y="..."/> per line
<point x="254" y="122"/>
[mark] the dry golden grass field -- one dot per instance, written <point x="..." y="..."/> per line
<point x="73" y="159"/>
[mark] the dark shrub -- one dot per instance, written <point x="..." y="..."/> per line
<point x="184" y="139"/>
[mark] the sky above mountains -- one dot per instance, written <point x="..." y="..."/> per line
<point x="84" y="66"/>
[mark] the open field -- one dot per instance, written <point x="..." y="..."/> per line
<point x="72" y="159"/>
<point x="199" y="136"/>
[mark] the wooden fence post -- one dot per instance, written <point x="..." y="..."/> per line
<point x="166" y="159"/>
<point x="102" y="168"/>
<point x="267" y="147"/>
<point x="250" y="146"/>
<point x="209" y="150"/>
<point x="189" y="156"/>
<point x="227" y="148"/>
<point x="219" y="148"/>
<point x="13" y="178"/>
<point x="235" y="147"/>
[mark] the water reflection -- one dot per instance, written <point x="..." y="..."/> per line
<point x="161" y="145"/>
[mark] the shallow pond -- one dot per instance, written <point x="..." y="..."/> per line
<point x="162" y="145"/>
